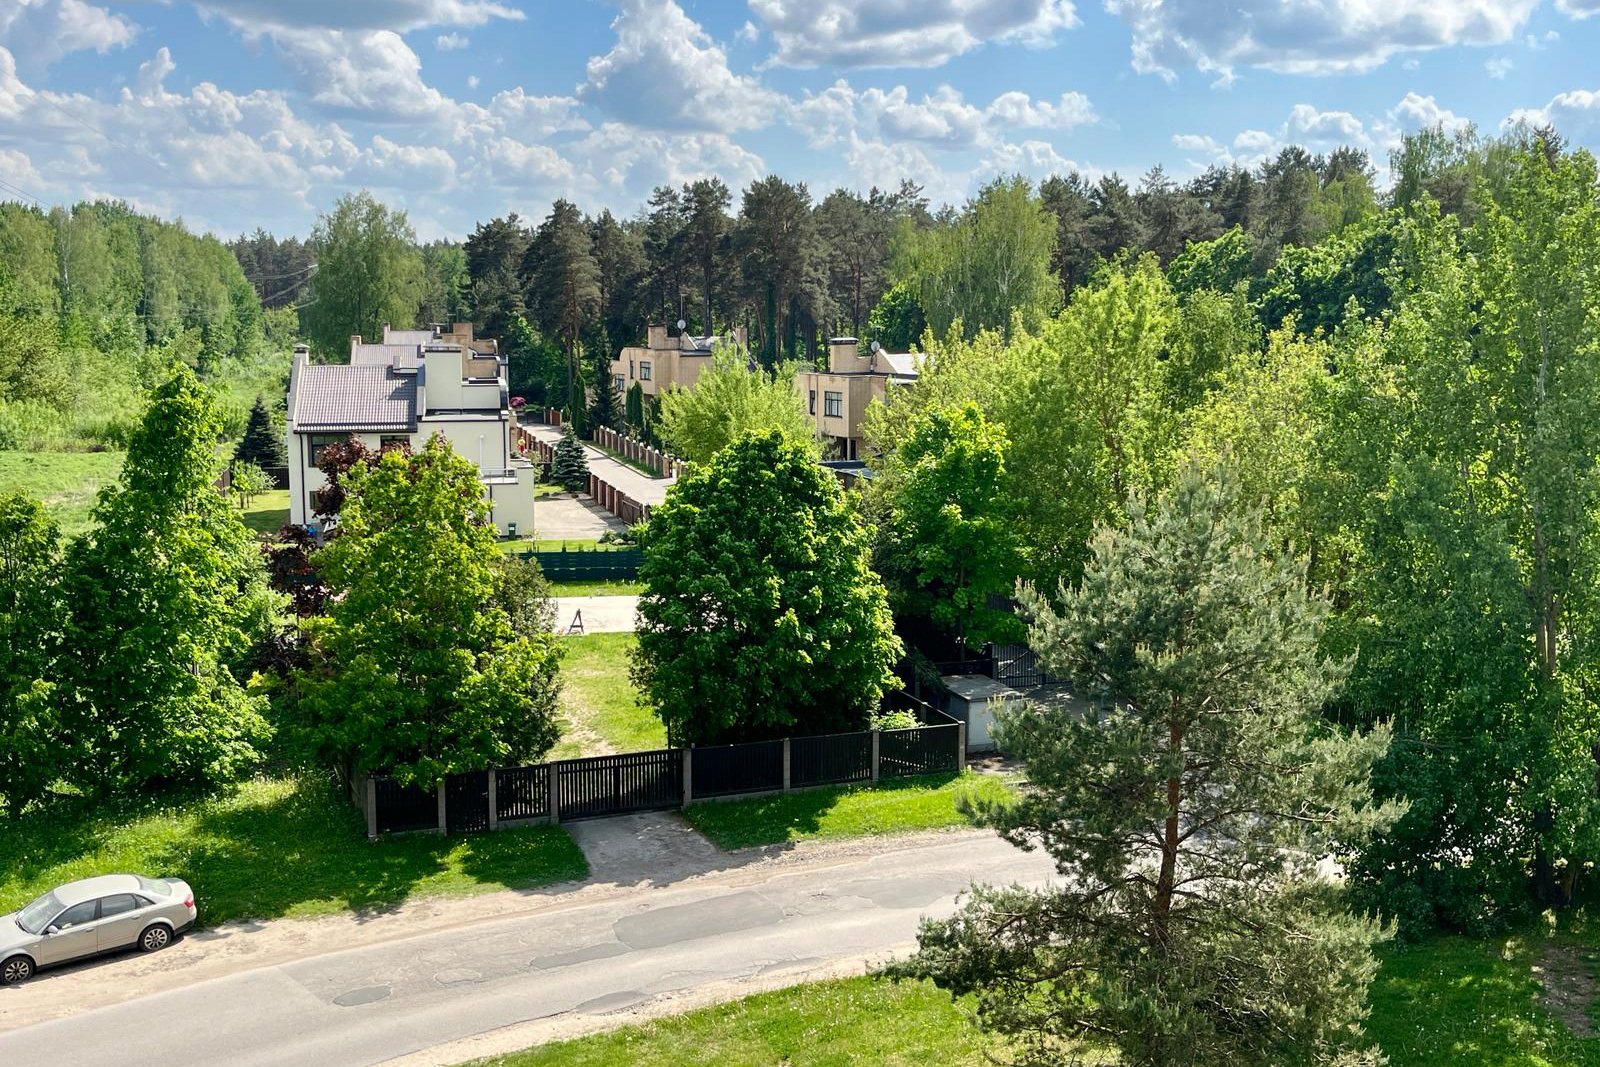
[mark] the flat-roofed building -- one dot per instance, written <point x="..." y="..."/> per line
<point x="837" y="398"/>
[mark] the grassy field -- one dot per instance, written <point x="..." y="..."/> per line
<point x="596" y="588"/>
<point x="66" y="482"/>
<point x="276" y="848"/>
<point x="599" y="707"/>
<point x="1451" y="1000"/>
<point x="856" y="1022"/>
<point x="268" y="511"/>
<point x="535" y="544"/>
<point x="894" y="806"/>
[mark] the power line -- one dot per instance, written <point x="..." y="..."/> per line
<point x="22" y="192"/>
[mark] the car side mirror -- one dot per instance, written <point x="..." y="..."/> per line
<point x="51" y="931"/>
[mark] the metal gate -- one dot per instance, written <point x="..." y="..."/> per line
<point x="466" y="802"/>
<point x="615" y="785"/>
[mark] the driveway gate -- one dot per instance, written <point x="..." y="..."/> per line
<point x="615" y="785"/>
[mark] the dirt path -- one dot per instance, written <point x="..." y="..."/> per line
<point x="1567" y="977"/>
<point x="244" y="946"/>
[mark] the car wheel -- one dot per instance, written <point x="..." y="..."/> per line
<point x="16" y="969"/>
<point x="155" y="938"/>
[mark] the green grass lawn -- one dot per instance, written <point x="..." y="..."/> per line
<point x="268" y="511"/>
<point x="616" y="588"/>
<point x="893" y="806"/>
<point x="1450" y="1001"/>
<point x="1470" y="1003"/>
<point x="599" y="706"/>
<point x="535" y="544"/>
<point x="275" y="848"/>
<point x="855" y="1022"/>
<point x="65" y="482"/>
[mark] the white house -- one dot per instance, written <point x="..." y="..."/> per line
<point x="406" y="388"/>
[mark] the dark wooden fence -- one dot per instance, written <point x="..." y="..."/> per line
<point x="665" y="778"/>
<point x="589" y="565"/>
<point x="831" y="758"/>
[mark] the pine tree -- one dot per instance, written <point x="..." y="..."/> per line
<point x="1186" y="810"/>
<point x="571" y="465"/>
<point x="261" y="443"/>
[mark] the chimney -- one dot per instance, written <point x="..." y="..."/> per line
<point x="844" y="355"/>
<point x="656" y="335"/>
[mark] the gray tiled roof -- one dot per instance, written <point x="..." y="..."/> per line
<point x="398" y="356"/>
<point x="363" y="396"/>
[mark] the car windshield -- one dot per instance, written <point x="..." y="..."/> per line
<point x="35" y="915"/>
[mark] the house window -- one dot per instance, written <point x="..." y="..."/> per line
<point x="813" y="401"/>
<point x="833" y="404"/>
<point x="320" y="442"/>
<point x="630" y="370"/>
<point x="617" y="380"/>
<point x="394" y="440"/>
<point x="644" y="370"/>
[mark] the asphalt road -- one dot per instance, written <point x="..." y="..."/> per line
<point x="642" y="487"/>
<point x="367" y="1005"/>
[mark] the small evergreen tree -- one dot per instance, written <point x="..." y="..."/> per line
<point x="262" y="443"/>
<point x="1186" y="812"/>
<point x="606" y="407"/>
<point x="634" y="408"/>
<point x="571" y="464"/>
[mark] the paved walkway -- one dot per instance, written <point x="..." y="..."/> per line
<point x="601" y="614"/>
<point x="572" y="517"/>
<point x="642" y="487"/>
<point x="496" y="984"/>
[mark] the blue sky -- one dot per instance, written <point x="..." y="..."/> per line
<point x="238" y="113"/>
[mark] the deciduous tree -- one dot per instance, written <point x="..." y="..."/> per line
<point x="761" y="616"/>
<point x="729" y="399"/>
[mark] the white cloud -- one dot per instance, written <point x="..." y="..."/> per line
<point x="1035" y="160"/>
<point x="748" y="32"/>
<point x="942" y="118"/>
<point x="1307" y="36"/>
<point x="1575" y="114"/>
<point x="43" y="31"/>
<point x="397" y="15"/>
<point x="665" y="72"/>
<point x="472" y="81"/>
<point x="1415" y="111"/>
<point x="372" y="74"/>
<point x="1499" y="66"/>
<point x="898" y="33"/>
<point x="628" y="162"/>
<point x="1579" y="9"/>
<point x="450" y="42"/>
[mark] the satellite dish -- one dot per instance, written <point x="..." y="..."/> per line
<point x="681" y="324"/>
<point x="875" y="346"/>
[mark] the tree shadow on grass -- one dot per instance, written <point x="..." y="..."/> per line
<point x="781" y="819"/>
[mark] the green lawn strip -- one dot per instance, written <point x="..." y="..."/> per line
<point x="65" y="482"/>
<point x="897" y="805"/>
<point x="534" y="544"/>
<point x="1469" y="1003"/>
<point x="863" y="1022"/>
<point x="267" y="512"/>
<point x="276" y="848"/>
<point x="599" y="702"/>
<point x="617" y="588"/>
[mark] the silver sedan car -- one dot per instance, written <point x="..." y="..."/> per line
<point x="95" y="915"/>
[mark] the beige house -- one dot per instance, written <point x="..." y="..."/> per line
<point x="837" y="398"/>
<point x="405" y="388"/>
<point x="663" y="362"/>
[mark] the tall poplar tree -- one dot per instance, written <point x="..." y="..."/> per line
<point x="368" y="273"/>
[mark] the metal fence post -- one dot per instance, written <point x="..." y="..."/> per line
<point x="494" y="818"/>
<point x="875" y="755"/>
<point x="443" y="822"/>
<point x="688" y="776"/>
<point x="371" y="789"/>
<point x="555" y="792"/>
<point x="961" y="744"/>
<point x="785" y="764"/>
